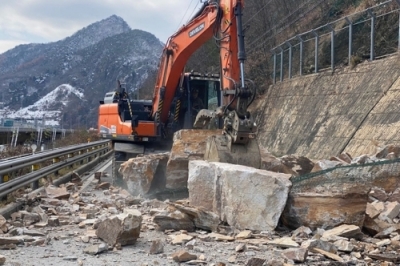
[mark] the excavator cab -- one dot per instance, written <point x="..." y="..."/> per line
<point x="197" y="92"/>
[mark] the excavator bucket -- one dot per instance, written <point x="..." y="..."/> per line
<point x="219" y="148"/>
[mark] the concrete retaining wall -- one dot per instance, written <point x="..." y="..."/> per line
<point x="320" y="115"/>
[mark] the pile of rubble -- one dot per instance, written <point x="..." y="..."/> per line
<point x="232" y="214"/>
<point x="105" y="219"/>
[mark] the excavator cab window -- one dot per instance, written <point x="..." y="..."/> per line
<point x="199" y="92"/>
<point x="204" y="93"/>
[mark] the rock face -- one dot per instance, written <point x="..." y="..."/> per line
<point x="321" y="127"/>
<point x="121" y="229"/>
<point x="244" y="197"/>
<point x="188" y="145"/>
<point x="317" y="210"/>
<point x="146" y="173"/>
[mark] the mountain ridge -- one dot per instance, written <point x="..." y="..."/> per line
<point x="92" y="59"/>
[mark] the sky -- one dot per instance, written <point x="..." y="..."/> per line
<point x="44" y="21"/>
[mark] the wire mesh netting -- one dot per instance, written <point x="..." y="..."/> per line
<point x="355" y="177"/>
<point x="365" y="35"/>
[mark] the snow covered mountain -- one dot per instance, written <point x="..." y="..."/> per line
<point x="67" y="78"/>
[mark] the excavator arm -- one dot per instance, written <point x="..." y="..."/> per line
<point x="222" y="20"/>
<point x="176" y="53"/>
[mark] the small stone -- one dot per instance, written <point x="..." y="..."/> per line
<point x="103" y="186"/>
<point x="2" y="259"/>
<point x="241" y="247"/>
<point x="179" y="239"/>
<point x="70" y="258"/>
<point x="296" y="254"/>
<point x="53" y="221"/>
<point x="384" y="242"/>
<point x="183" y="256"/>
<point x="94" y="249"/>
<point x="285" y="242"/>
<point x="256" y="262"/>
<point x="244" y="235"/>
<point x="157" y="247"/>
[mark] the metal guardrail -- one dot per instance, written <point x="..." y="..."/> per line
<point x="18" y="163"/>
<point x="73" y="155"/>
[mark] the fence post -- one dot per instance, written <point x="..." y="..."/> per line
<point x="332" y="47"/>
<point x="350" y="37"/>
<point x="372" y="33"/>
<point x="316" y="51"/>
<point x="398" y="3"/>
<point x="281" y="78"/>
<point x="274" y="73"/>
<point x="290" y="58"/>
<point x="301" y="54"/>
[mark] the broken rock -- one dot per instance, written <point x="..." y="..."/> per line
<point x="143" y="173"/>
<point x="173" y="219"/>
<point x="157" y="247"/>
<point x="201" y="218"/>
<point x="123" y="228"/>
<point x="188" y="145"/>
<point x="296" y="254"/>
<point x="183" y="256"/>
<point x="345" y="230"/>
<point x="57" y="192"/>
<point x="225" y="191"/>
<point x="95" y="249"/>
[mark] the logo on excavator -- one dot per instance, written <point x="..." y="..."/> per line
<point x="196" y="30"/>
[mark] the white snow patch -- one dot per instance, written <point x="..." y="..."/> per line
<point x="41" y="108"/>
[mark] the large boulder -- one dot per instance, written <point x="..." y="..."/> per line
<point x="244" y="197"/>
<point x="145" y="174"/>
<point x="188" y="144"/>
<point x="325" y="210"/>
<point x="337" y="196"/>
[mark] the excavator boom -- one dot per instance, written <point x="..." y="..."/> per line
<point x="221" y="20"/>
<point x="171" y="107"/>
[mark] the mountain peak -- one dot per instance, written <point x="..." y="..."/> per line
<point x="96" y="32"/>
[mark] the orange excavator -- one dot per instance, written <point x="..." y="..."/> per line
<point x="223" y="99"/>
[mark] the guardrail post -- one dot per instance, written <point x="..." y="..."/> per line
<point x="70" y="155"/>
<point x="56" y="160"/>
<point x="290" y="58"/>
<point x="281" y="78"/>
<point x="274" y="73"/>
<point x="3" y="179"/>
<point x="301" y="54"/>
<point x="316" y="51"/>
<point x="332" y="47"/>
<point x="350" y="37"/>
<point x="80" y="153"/>
<point x="35" y="184"/>
<point x="373" y="18"/>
